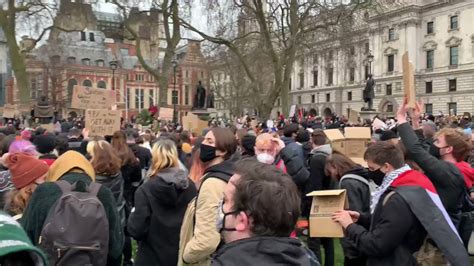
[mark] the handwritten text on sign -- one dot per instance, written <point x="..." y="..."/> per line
<point x="102" y="122"/>
<point x="89" y="98"/>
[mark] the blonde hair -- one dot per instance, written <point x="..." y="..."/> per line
<point x="165" y="155"/>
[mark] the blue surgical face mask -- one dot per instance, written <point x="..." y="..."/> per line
<point x="221" y="215"/>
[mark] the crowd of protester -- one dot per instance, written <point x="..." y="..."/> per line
<point x="235" y="194"/>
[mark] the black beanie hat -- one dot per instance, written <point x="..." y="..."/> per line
<point x="44" y="143"/>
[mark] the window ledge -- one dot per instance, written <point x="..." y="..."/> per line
<point x="429" y="70"/>
<point x="453" y="30"/>
<point x="453" y="67"/>
<point x="430" y="34"/>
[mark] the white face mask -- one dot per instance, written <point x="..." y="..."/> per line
<point x="265" y="158"/>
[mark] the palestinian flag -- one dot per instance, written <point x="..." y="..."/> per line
<point x="420" y="194"/>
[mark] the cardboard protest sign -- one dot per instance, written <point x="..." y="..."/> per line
<point x="353" y="116"/>
<point x="8" y="113"/>
<point x="378" y="124"/>
<point x="193" y="123"/>
<point x="102" y="122"/>
<point x="48" y="127"/>
<point x="292" y="111"/>
<point x="270" y="124"/>
<point x="409" y="81"/>
<point x="325" y="203"/>
<point x="166" y="113"/>
<point x="89" y="98"/>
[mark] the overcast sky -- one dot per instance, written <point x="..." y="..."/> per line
<point x="198" y="19"/>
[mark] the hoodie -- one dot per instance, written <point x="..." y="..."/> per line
<point x="264" y="251"/>
<point x="317" y="177"/>
<point x="358" y="196"/>
<point x="468" y="173"/>
<point x="221" y="171"/>
<point x="155" y="223"/>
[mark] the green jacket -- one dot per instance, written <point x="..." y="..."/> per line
<point x="48" y="193"/>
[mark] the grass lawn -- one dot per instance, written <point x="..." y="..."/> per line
<point x="339" y="255"/>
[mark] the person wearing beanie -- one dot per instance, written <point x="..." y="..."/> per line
<point x="27" y="173"/>
<point x="15" y="246"/>
<point x="74" y="168"/>
<point x="45" y="145"/>
<point x="23" y="146"/>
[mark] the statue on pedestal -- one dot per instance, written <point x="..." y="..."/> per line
<point x="200" y="97"/>
<point x="368" y="93"/>
<point x="43" y="110"/>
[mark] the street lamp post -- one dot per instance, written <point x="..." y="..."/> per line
<point x="114" y="66"/>
<point x="175" y="114"/>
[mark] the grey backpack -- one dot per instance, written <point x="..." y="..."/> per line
<point x="370" y="183"/>
<point x="76" y="230"/>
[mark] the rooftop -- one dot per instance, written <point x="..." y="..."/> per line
<point x="108" y="17"/>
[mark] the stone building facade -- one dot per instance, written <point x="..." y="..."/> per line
<point x="83" y="57"/>
<point x="437" y="34"/>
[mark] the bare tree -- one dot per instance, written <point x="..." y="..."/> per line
<point x="37" y="18"/>
<point x="276" y="31"/>
<point x="172" y="36"/>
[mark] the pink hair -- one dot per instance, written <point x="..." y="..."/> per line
<point x="23" y="146"/>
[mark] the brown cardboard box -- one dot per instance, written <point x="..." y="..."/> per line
<point x="337" y="139"/>
<point x="357" y="140"/>
<point x="353" y="143"/>
<point x="325" y="203"/>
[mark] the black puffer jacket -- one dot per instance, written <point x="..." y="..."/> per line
<point x="295" y="167"/>
<point x="156" y="222"/>
<point x="445" y="176"/>
<point x="264" y="251"/>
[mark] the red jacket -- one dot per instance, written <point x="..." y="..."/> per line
<point x="468" y="173"/>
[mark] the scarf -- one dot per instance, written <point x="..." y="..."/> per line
<point x="387" y="181"/>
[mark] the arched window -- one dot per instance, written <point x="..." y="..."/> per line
<point x="87" y="83"/>
<point x="70" y="87"/>
<point x="101" y="85"/>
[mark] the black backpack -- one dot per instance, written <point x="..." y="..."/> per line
<point x="76" y="229"/>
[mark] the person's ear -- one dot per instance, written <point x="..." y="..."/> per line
<point x="449" y="149"/>
<point x="242" y="222"/>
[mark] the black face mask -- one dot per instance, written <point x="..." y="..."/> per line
<point x="377" y="176"/>
<point x="436" y="151"/>
<point x="207" y="153"/>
